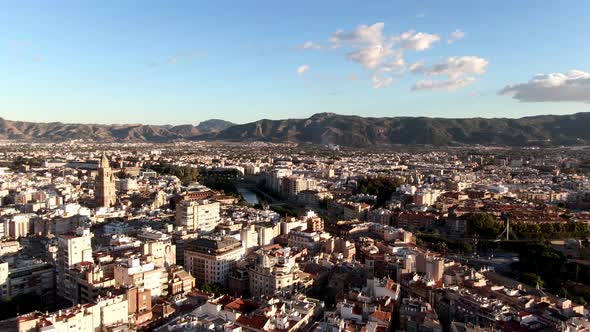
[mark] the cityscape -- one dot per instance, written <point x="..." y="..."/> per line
<point x="199" y="236"/>
<point x="313" y="166"/>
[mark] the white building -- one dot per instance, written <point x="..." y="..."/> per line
<point x="211" y="259"/>
<point x="197" y="215"/>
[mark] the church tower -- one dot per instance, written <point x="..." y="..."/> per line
<point x="105" y="184"/>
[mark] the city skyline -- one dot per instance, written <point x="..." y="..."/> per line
<point x="130" y="63"/>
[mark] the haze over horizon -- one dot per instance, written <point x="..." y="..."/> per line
<point x="112" y="62"/>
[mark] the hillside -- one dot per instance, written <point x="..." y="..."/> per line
<point x="57" y="131"/>
<point x="326" y="128"/>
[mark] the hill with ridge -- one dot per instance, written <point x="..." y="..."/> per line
<point x="329" y="128"/>
<point x="348" y="130"/>
<point x="57" y="131"/>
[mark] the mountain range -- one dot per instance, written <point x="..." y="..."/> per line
<point x="330" y="128"/>
<point x="57" y="131"/>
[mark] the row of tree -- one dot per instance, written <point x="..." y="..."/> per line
<point x="215" y="179"/>
<point x="381" y="186"/>
<point x="542" y="265"/>
<point x="486" y="226"/>
<point x="186" y="174"/>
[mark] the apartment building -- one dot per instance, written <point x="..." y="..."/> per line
<point x="210" y="259"/>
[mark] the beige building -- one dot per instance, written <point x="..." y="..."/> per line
<point x="72" y="249"/>
<point x="180" y="282"/>
<point x="274" y="272"/>
<point x="18" y="225"/>
<point x="134" y="273"/>
<point x="161" y="253"/>
<point x="432" y="266"/>
<point x="211" y="259"/>
<point x="86" y="280"/>
<point x="108" y="312"/>
<point x="105" y="184"/>
<point x="197" y="215"/>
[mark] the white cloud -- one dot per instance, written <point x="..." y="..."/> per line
<point x="396" y="65"/>
<point x="417" y="41"/>
<point x="381" y="82"/>
<point x="459" y="70"/>
<point x="450" y="85"/>
<point x="417" y="67"/>
<point x="362" y="35"/>
<point x="456" y="35"/>
<point x="455" y="67"/>
<point x="420" y="15"/>
<point x="309" y="45"/>
<point x="301" y="70"/>
<point x="573" y="86"/>
<point x="371" y="57"/>
<point x="383" y="55"/>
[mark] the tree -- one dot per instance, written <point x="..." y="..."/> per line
<point x="381" y="186"/>
<point x="442" y="247"/>
<point x="485" y="225"/>
<point x="532" y="279"/>
<point x="215" y="289"/>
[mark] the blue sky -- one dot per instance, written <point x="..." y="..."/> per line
<point x="172" y="62"/>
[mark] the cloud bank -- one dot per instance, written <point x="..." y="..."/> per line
<point x="573" y="86"/>
<point x="384" y="56"/>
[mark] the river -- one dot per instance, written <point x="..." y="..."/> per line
<point x="248" y="195"/>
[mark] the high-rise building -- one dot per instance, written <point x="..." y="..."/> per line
<point x="72" y="249"/>
<point x="210" y="259"/>
<point x="197" y="215"/>
<point x="105" y="184"/>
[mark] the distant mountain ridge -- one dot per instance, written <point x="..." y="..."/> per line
<point x="57" y="131"/>
<point x="350" y="130"/>
<point x="330" y="128"/>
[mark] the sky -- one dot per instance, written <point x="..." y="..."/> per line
<point x="181" y="62"/>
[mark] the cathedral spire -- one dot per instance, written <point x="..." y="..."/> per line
<point x="105" y="184"/>
<point x="104" y="162"/>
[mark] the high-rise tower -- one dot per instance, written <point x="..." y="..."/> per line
<point x="105" y="184"/>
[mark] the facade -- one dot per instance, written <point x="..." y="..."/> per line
<point x="72" y="249"/>
<point x="105" y="184"/>
<point x="197" y="215"/>
<point x="180" y="281"/>
<point x="134" y="273"/>
<point x="35" y="277"/>
<point x="86" y="281"/>
<point x="108" y="312"/>
<point x="304" y="239"/>
<point x="210" y="259"/>
<point x="273" y="273"/>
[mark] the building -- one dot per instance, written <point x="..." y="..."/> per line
<point x="87" y="280"/>
<point x="274" y="272"/>
<point x="210" y="259"/>
<point x="180" y="282"/>
<point x="273" y="179"/>
<point x="134" y="273"/>
<point x="72" y="249"/>
<point x="305" y="239"/>
<point x="18" y="225"/>
<point x="105" y="184"/>
<point x="430" y="265"/>
<point x="27" y="277"/>
<point x="292" y="185"/>
<point x="108" y="312"/>
<point x="197" y="215"/>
